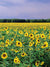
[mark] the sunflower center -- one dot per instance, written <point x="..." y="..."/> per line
<point x="31" y="38"/>
<point x="26" y="34"/>
<point x="42" y="35"/>
<point x="44" y="44"/>
<point x="6" y="27"/>
<point x="7" y="40"/>
<point x="4" y="55"/>
<point x="15" y="60"/>
<point x="23" y="54"/>
<point x="30" y="44"/>
<point x="18" y="61"/>
<point x="6" y="43"/>
<point x="20" y="31"/>
<point x="11" y="39"/>
<point x="18" y="43"/>
<point x="31" y="35"/>
<point x="37" y="63"/>
<point x="38" y="40"/>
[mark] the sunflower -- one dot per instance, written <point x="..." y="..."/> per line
<point x="35" y="44"/>
<point x="42" y="63"/>
<point x="21" y="32"/>
<point x="1" y="45"/>
<point x="45" y="45"/>
<point x="37" y="63"/>
<point x="44" y="27"/>
<point x="2" y="38"/>
<point x="4" y="55"/>
<point x="23" y="54"/>
<point x="47" y="50"/>
<point x="7" y="40"/>
<point x="28" y="31"/>
<point x="49" y="32"/>
<point x="30" y="49"/>
<point x="26" y="34"/>
<point x="6" y="28"/>
<point x="42" y="36"/>
<point x="37" y="40"/>
<point x="32" y="30"/>
<point x="7" y="32"/>
<point x="31" y="35"/>
<point x="31" y="44"/>
<point x="11" y="49"/>
<point x="32" y="39"/>
<point x="6" y="43"/>
<point x="49" y="37"/>
<point x="16" y="60"/>
<point x="16" y="51"/>
<point x="35" y="31"/>
<point x="37" y="36"/>
<point x="18" y="43"/>
<point x="12" y="39"/>
<point x="40" y="27"/>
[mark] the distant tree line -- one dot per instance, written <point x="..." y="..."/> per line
<point x="24" y="20"/>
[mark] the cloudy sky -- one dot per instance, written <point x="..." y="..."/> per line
<point x="25" y="9"/>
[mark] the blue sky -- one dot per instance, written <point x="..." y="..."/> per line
<point x="25" y="9"/>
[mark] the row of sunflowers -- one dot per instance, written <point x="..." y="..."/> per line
<point x="24" y="45"/>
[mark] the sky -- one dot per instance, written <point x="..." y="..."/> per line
<point x="24" y="9"/>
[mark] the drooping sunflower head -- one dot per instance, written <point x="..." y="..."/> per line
<point x="37" y="63"/>
<point x="16" y="51"/>
<point x="45" y="45"/>
<point x="37" y="41"/>
<point x="42" y="63"/>
<point x="12" y="39"/>
<point x="7" y="40"/>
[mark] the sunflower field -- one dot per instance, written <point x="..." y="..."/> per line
<point x="24" y="44"/>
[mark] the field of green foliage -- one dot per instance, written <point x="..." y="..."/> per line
<point x="24" y="45"/>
